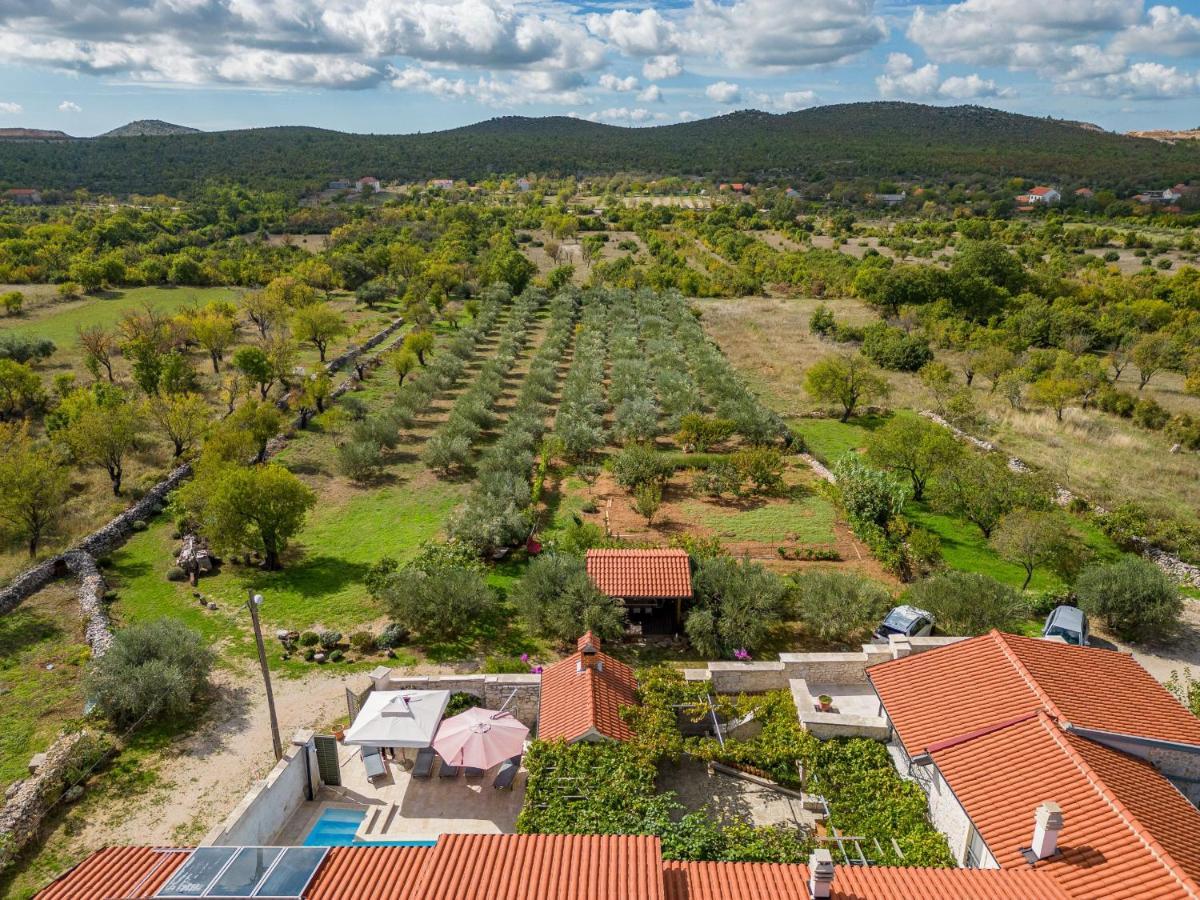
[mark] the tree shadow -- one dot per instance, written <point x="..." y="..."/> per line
<point x="22" y="628"/>
<point x="308" y="576"/>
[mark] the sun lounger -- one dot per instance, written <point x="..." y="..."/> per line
<point x="472" y="772"/>
<point x="448" y="771"/>
<point x="507" y="773"/>
<point x="373" y="763"/>
<point x="423" y="767"/>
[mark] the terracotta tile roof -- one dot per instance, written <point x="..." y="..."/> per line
<point x="1126" y="831"/>
<point x="369" y="873"/>
<point x="125" y="872"/>
<point x="766" y="881"/>
<point x="953" y="690"/>
<point x="542" y="867"/>
<point x="583" y="695"/>
<point x="641" y="573"/>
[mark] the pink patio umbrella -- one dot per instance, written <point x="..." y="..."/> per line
<point x="479" y="738"/>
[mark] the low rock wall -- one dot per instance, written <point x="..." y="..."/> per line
<point x="522" y="693"/>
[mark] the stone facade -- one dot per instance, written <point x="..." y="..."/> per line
<point x="522" y="693"/>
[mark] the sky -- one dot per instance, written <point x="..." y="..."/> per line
<point x="399" y="66"/>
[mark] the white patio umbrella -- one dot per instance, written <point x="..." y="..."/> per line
<point x="480" y="738"/>
<point x="398" y="719"/>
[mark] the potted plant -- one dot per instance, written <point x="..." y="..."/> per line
<point x="338" y="733"/>
<point x="825" y="702"/>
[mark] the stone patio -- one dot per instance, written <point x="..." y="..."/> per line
<point x="401" y="808"/>
<point x="730" y="796"/>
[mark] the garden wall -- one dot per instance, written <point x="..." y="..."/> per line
<point x="493" y="690"/>
<point x="269" y="805"/>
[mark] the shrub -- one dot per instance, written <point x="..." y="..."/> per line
<point x="719" y="479"/>
<point x="392" y="636"/>
<point x="359" y="460"/>
<point x="639" y="464"/>
<point x="736" y="605"/>
<point x="438" y="600"/>
<point x="968" y="603"/>
<point x="138" y="525"/>
<point x="461" y="701"/>
<point x="698" y="433"/>
<point x="892" y="348"/>
<point x="330" y="639"/>
<point x="152" y="669"/>
<point x="839" y="606"/>
<point x="871" y="498"/>
<point x="309" y="638"/>
<point x="762" y="467"/>
<point x="504" y="665"/>
<point x="337" y="656"/>
<point x="647" y="498"/>
<point x="310" y="654"/>
<point x="1112" y="256"/>
<point x="176" y="573"/>
<point x="558" y="600"/>
<point x="1149" y="414"/>
<point x="1133" y="597"/>
<point x="822" y="321"/>
<point x="363" y="642"/>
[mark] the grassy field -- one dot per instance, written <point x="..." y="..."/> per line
<point x="807" y="519"/>
<point x="828" y="439"/>
<point x="42" y="656"/>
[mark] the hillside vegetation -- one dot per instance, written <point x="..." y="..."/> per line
<point x="880" y="140"/>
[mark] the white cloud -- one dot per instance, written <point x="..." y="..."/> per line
<point x="723" y="92"/>
<point x="611" y="82"/>
<point x="1141" y="81"/>
<point x="621" y="114"/>
<point x="1166" y="29"/>
<point x="656" y="68"/>
<point x="10" y="108"/>
<point x="520" y="89"/>
<point x="68" y="106"/>
<point x="686" y="115"/>
<point x="790" y="100"/>
<point x="645" y="33"/>
<point x="652" y="93"/>
<point x="784" y="34"/>
<point x="902" y="78"/>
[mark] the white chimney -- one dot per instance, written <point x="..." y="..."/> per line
<point x="1047" y="823"/>
<point x="820" y="874"/>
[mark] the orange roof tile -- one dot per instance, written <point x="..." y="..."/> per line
<point x="641" y="573"/>
<point x="1126" y="831"/>
<point x="579" y="699"/>
<point x="767" y="881"/>
<point x="369" y="873"/>
<point x="948" y="692"/>
<point x="125" y="872"/>
<point x="542" y="867"/>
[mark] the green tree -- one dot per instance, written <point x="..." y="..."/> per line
<point x="870" y="497"/>
<point x="102" y="428"/>
<point x="258" y="420"/>
<point x="99" y="348"/>
<point x="847" y="380"/>
<point x="839" y="606"/>
<point x="20" y="389"/>
<point x="647" y="498"/>
<point x="1036" y="539"/>
<point x="1133" y="597"/>
<point x="981" y="488"/>
<point x="915" y="447"/>
<point x="33" y="486"/>
<point x="419" y="342"/>
<point x="968" y="603"/>
<point x="440" y="602"/>
<point x="318" y="324"/>
<point x="215" y="333"/>
<point x="638" y="464"/>
<point x="153" y="669"/>
<point x="183" y="418"/>
<point x="1152" y="353"/>
<point x="402" y="363"/>
<point x="255" y="508"/>
<point x="255" y="364"/>
<point x="736" y="604"/>
<point x="1055" y="391"/>
<point x="558" y="600"/>
<point x="265" y="309"/>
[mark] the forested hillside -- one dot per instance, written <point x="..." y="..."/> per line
<point x="862" y="140"/>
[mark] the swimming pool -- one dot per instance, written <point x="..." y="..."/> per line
<point x="337" y="827"/>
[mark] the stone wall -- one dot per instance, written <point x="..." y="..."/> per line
<point x="31" y="799"/>
<point x="492" y="690"/>
<point x="1180" y="766"/>
<point x="948" y="816"/>
<point x="270" y="803"/>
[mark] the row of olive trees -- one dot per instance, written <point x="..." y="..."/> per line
<point x="579" y="422"/>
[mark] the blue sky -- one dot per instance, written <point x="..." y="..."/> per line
<point x="420" y="65"/>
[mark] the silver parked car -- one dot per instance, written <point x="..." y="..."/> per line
<point x="1069" y="623"/>
<point x="907" y="621"/>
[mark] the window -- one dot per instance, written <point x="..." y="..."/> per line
<point x="977" y="851"/>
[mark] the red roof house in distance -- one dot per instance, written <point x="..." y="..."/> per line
<point x="23" y="196"/>
<point x="1072" y="761"/>
<point x="653" y="584"/>
<point x="582" y="696"/>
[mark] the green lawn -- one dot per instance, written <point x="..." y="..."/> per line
<point x="964" y="547"/>
<point x="807" y="519"/>
<point x="60" y="321"/>
<point x="35" y="701"/>
<point x="829" y="439"/>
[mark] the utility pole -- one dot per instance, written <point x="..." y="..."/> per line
<point x="252" y="604"/>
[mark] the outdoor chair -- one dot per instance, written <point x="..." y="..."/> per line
<point x="472" y="772"/>
<point x="373" y="763"/>
<point x="448" y="771"/>
<point x="507" y="773"/>
<point x="423" y="767"/>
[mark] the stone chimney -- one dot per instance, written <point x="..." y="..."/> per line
<point x="1047" y="823"/>
<point x="589" y="653"/>
<point x="820" y="874"/>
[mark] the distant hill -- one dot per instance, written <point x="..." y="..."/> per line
<point x="1168" y="136"/>
<point x="149" y="128"/>
<point x="33" y="134"/>
<point x="868" y="141"/>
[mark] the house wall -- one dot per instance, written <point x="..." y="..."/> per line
<point x="1182" y="768"/>
<point x="270" y="803"/>
<point x="492" y="690"/>
<point x="947" y="814"/>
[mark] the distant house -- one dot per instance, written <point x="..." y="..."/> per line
<point x="1042" y="195"/>
<point x="23" y="196"/>
<point x="739" y="187"/>
<point x="652" y="584"/>
<point x="582" y="696"/>
<point x="444" y="184"/>
<point x="1085" y="193"/>
<point x="523" y="184"/>
<point x="891" y="199"/>
<point x="340" y="184"/>
<point x="367" y="181"/>
<point x="1169" y="195"/>
<point x="792" y="193"/>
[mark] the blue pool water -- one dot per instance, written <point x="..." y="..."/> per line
<point x="336" y="828"/>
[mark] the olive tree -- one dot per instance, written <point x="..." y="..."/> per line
<point x="558" y="600"/>
<point x="254" y="508"/>
<point x="1133" y="597"/>
<point x="968" y="603"/>
<point x="915" y="447"/>
<point x="847" y="380"/>
<point x="736" y="604"/>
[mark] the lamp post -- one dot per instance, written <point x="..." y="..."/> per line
<point x="253" y="604"/>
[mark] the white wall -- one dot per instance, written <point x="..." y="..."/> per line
<point x="269" y="805"/>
